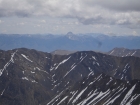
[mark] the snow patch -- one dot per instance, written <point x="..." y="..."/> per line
<point x="79" y="95"/>
<point x="32" y="72"/>
<point x="94" y="57"/>
<point x="25" y="78"/>
<point x="83" y="58"/>
<point x="62" y="62"/>
<point x="74" y="93"/>
<point x="111" y="52"/>
<point x="133" y="53"/>
<point x="54" y="98"/>
<point x="112" y="99"/>
<point x="34" y="81"/>
<point x="109" y="81"/>
<point x="2" y="92"/>
<point x="132" y="99"/>
<point x="90" y="69"/>
<point x="47" y="57"/>
<point x="23" y="72"/>
<point x="26" y="57"/>
<point x="41" y="70"/>
<point x="62" y="100"/>
<point x="97" y="63"/>
<point x="100" y="96"/>
<point x="88" y="98"/>
<point x="51" y="68"/>
<point x="128" y="95"/>
<point x="69" y="71"/>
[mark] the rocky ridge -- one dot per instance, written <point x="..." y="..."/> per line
<point x="30" y="77"/>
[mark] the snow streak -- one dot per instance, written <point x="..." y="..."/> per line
<point x="26" y="57"/>
<point x="8" y="63"/>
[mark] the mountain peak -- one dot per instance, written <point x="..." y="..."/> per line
<point x="69" y="33"/>
<point x="71" y="36"/>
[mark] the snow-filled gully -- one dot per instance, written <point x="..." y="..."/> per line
<point x="8" y="63"/>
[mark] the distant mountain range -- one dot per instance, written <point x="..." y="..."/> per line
<point x="31" y="77"/>
<point x="70" y="41"/>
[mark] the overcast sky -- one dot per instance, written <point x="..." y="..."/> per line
<point x="120" y="17"/>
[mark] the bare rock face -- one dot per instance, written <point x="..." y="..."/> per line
<point x="123" y="52"/>
<point x="30" y="77"/>
<point x="62" y="52"/>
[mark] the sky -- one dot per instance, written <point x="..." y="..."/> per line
<point x="120" y="17"/>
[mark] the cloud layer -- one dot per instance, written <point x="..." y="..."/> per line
<point x="125" y="13"/>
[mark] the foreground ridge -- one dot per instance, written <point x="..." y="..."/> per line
<point x="30" y="77"/>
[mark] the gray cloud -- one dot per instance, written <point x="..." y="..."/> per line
<point x="119" y="5"/>
<point x="126" y="12"/>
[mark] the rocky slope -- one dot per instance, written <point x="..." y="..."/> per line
<point x="62" y="52"/>
<point x="123" y="52"/>
<point x="30" y="77"/>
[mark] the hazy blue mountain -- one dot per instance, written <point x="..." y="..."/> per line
<point x="70" y="41"/>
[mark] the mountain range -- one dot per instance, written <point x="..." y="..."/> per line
<point x="70" y="41"/>
<point x="31" y="77"/>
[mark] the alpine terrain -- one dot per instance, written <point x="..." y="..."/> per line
<point x="31" y="77"/>
<point x="123" y="52"/>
